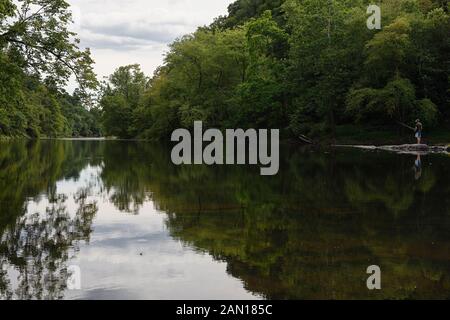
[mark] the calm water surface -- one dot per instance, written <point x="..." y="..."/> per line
<point x="138" y="227"/>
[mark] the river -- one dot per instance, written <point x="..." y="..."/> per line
<point x="128" y="224"/>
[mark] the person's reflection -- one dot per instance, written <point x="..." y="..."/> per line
<point x="418" y="167"/>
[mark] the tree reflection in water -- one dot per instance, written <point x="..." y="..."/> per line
<point x="35" y="247"/>
<point x="309" y="232"/>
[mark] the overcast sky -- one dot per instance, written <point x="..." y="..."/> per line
<point x="121" y="32"/>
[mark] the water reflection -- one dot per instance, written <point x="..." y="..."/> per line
<point x="418" y="167"/>
<point x="310" y="232"/>
<point x="34" y="245"/>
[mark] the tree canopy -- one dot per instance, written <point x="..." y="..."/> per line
<point x="38" y="55"/>
<point x="304" y="66"/>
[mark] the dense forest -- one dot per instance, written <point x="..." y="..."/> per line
<point x="305" y="66"/>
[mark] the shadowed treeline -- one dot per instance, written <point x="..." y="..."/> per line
<point x="309" y="232"/>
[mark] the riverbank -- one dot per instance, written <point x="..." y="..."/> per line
<point x="345" y="135"/>
<point x="373" y="135"/>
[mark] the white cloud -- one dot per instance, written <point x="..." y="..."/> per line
<point x="121" y="32"/>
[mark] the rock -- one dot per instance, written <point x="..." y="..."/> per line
<point x="404" y="148"/>
<point x="414" y="148"/>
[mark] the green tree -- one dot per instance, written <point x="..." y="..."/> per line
<point x="241" y="11"/>
<point x="38" y="54"/>
<point x="327" y="37"/>
<point x="263" y="96"/>
<point x="120" y="98"/>
<point x="404" y="75"/>
<point x="37" y="33"/>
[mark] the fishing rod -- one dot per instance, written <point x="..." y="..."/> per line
<point x="406" y="126"/>
<point x="305" y="139"/>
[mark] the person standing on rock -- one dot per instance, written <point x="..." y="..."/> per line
<point x="418" y="131"/>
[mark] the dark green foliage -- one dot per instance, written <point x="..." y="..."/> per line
<point x="38" y="54"/>
<point x="242" y="11"/>
<point x="30" y="108"/>
<point x="120" y="99"/>
<point x="80" y="121"/>
<point x="304" y="66"/>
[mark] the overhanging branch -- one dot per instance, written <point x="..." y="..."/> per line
<point x="57" y="56"/>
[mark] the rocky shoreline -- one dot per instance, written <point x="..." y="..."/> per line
<point x="404" y="148"/>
